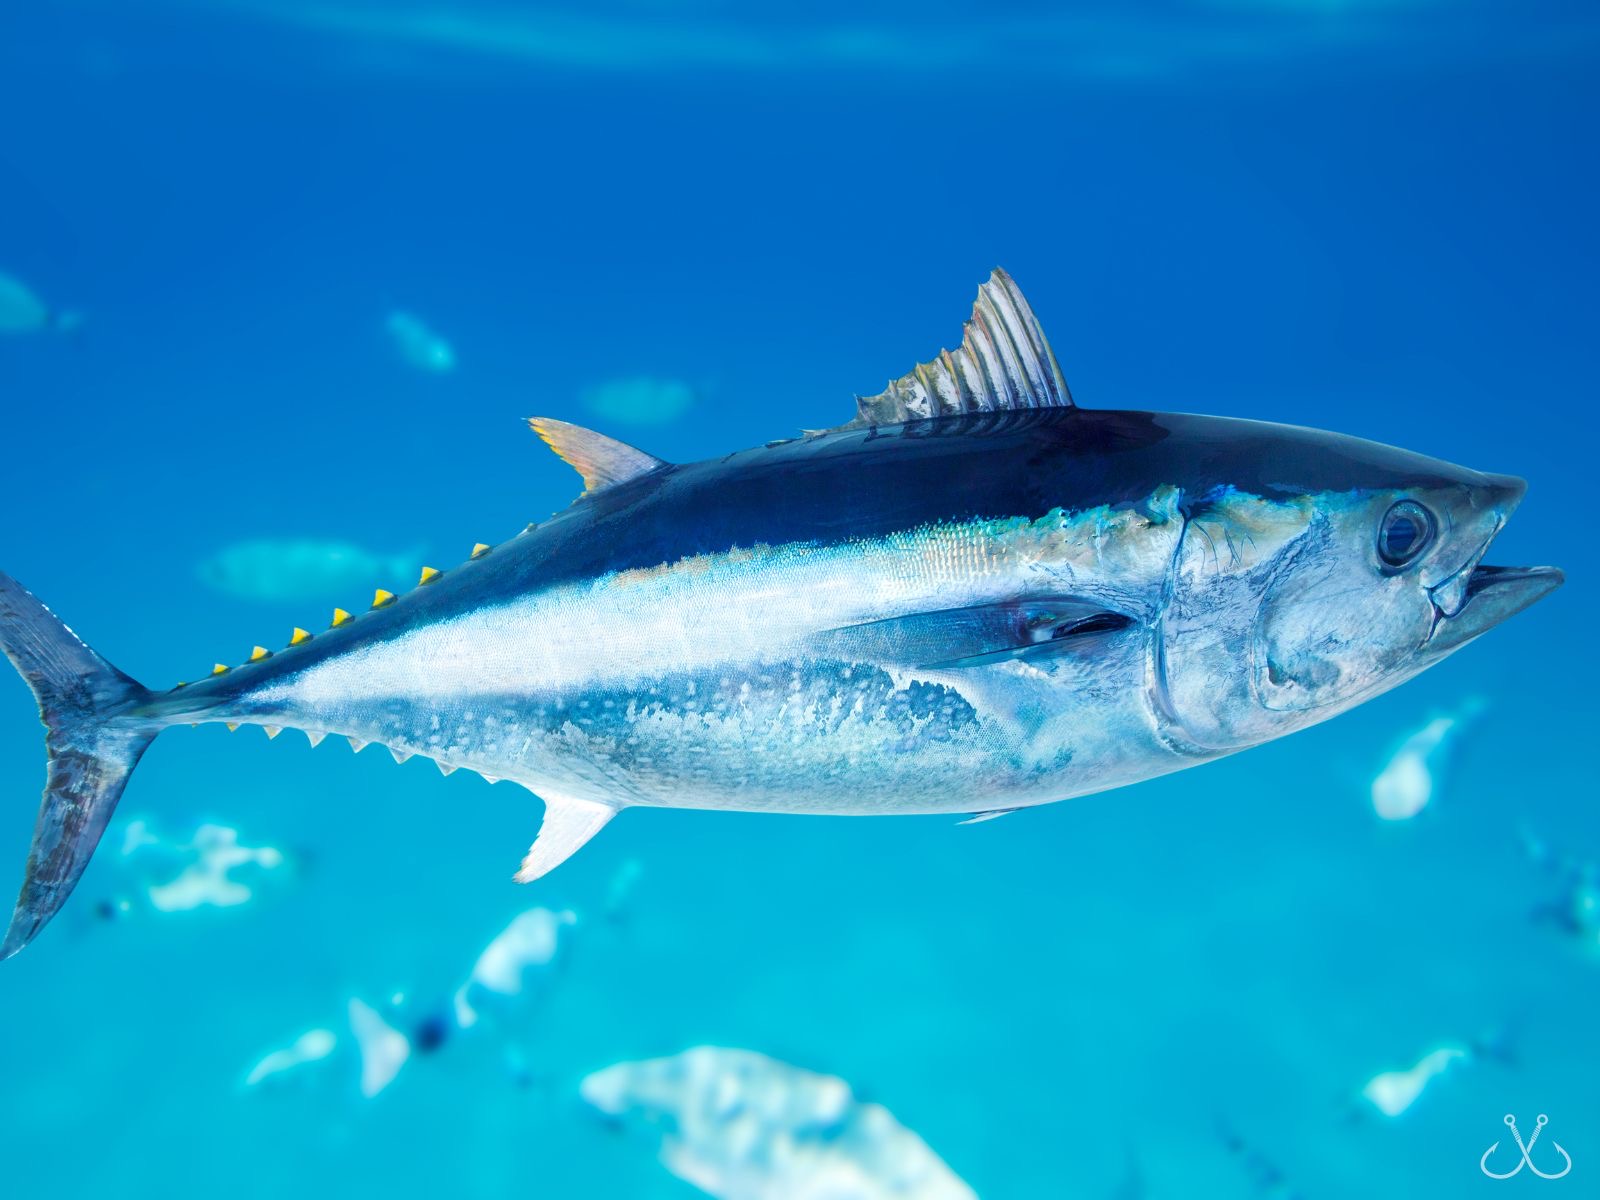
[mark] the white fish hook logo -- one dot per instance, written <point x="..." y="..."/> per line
<point x="1527" y="1151"/>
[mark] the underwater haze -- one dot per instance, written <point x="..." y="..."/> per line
<point x="279" y="280"/>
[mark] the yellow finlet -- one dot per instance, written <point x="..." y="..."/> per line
<point x="272" y="730"/>
<point x="299" y="635"/>
<point x="181" y="683"/>
<point x="339" y="618"/>
<point x="259" y="652"/>
<point x="381" y="597"/>
<point x="232" y="726"/>
<point x="429" y="574"/>
<point x="220" y="669"/>
<point x="480" y="549"/>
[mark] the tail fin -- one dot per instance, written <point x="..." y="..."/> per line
<point x="93" y="747"/>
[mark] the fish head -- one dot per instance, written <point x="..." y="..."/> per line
<point x="1292" y="604"/>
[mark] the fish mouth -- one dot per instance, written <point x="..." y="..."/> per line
<point x="1477" y="598"/>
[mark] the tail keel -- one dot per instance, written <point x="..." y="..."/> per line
<point x="93" y="744"/>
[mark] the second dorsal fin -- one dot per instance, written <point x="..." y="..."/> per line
<point x="602" y="461"/>
<point x="1003" y="363"/>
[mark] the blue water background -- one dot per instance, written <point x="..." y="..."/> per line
<point x="1374" y="218"/>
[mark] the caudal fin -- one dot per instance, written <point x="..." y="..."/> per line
<point x="93" y="743"/>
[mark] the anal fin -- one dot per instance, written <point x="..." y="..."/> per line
<point x="568" y="824"/>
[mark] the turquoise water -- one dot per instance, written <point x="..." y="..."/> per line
<point x="700" y="228"/>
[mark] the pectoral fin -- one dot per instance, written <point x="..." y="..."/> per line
<point x="568" y="824"/>
<point x="1025" y="628"/>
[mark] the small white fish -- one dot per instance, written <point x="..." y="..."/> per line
<point x="1393" y="1092"/>
<point x="741" y="1126"/>
<point x="384" y="1049"/>
<point x="1406" y="784"/>
<point x="418" y="345"/>
<point x="531" y="941"/>
<point x="208" y="879"/>
<point x="311" y="1046"/>
<point x="22" y="311"/>
<point x="640" y="400"/>
<point x="138" y="836"/>
<point x="281" y="569"/>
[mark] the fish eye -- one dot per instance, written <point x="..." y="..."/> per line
<point x="1405" y="532"/>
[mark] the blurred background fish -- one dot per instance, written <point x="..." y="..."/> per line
<point x="1575" y="908"/>
<point x="418" y="345"/>
<point x="1266" y="1178"/>
<point x="309" y="1048"/>
<point x="1408" y="780"/>
<point x="210" y="866"/>
<point x="1393" y="1092"/>
<point x="639" y="400"/>
<point x="281" y="569"/>
<point x="531" y="942"/>
<point x="742" y="1126"/>
<point x="212" y="877"/>
<point x="22" y="311"/>
<point x="383" y="1048"/>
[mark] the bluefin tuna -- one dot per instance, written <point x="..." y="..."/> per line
<point x="973" y="597"/>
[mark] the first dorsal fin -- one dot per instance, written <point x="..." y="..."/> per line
<point x="1003" y="363"/>
<point x="602" y="461"/>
